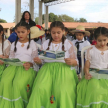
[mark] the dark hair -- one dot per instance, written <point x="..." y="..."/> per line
<point x="100" y="31"/>
<point x="83" y="34"/>
<point x="1" y="29"/>
<point x="66" y="29"/>
<point x="23" y="19"/>
<point x="60" y="25"/>
<point x="24" y="24"/>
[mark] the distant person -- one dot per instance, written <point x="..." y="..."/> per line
<point x="80" y="42"/>
<point x="27" y="18"/>
<point x="91" y="38"/>
<point x="67" y="35"/>
<point x="47" y="34"/>
<point x="13" y="36"/>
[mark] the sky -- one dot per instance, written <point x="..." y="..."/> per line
<point x="91" y="10"/>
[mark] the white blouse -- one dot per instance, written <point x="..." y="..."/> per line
<point x="6" y="48"/>
<point x="68" y="47"/>
<point x="81" y="45"/>
<point x="98" y="59"/>
<point x="22" y="53"/>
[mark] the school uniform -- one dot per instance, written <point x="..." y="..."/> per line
<point x="80" y="45"/>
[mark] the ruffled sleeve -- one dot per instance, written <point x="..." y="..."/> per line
<point x="72" y="51"/>
<point x="7" y="47"/>
<point x="34" y="51"/>
<point x="12" y="53"/>
<point x="34" y="54"/>
<point x="88" y="55"/>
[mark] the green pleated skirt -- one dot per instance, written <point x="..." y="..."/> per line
<point x="92" y="93"/>
<point x="2" y="67"/>
<point x="16" y="86"/>
<point x="54" y="87"/>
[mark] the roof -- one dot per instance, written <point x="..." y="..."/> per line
<point x="85" y="24"/>
<point x="8" y="25"/>
<point x="47" y="1"/>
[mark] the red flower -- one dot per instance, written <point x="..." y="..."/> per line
<point x="28" y="85"/>
<point x="51" y="102"/>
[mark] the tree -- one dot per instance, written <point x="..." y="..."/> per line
<point x="82" y="20"/>
<point x="51" y="17"/>
<point x="3" y="21"/>
<point x="66" y="18"/>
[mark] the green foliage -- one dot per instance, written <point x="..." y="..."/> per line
<point x="3" y="21"/>
<point x="82" y="20"/>
<point x="63" y="18"/>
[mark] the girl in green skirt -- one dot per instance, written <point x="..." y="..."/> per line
<point x="55" y="84"/>
<point x="4" y="50"/>
<point x="16" y="82"/>
<point x="92" y="91"/>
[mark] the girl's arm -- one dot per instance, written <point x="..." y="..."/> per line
<point x="86" y="67"/>
<point x="72" y="60"/>
<point x="7" y="49"/>
<point x="87" y="64"/>
<point x="86" y="70"/>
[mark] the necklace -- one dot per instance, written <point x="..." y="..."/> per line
<point x="55" y="46"/>
<point x="22" y="45"/>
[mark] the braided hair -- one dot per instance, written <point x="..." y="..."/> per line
<point x="24" y="24"/>
<point x="60" y="25"/>
<point x="100" y="31"/>
<point x="1" y="29"/>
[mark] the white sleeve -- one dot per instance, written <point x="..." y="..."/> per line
<point x="72" y="51"/>
<point x="7" y="48"/>
<point x="34" y="54"/>
<point x="12" y="53"/>
<point x="88" y="55"/>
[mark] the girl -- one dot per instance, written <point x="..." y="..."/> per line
<point x="16" y="82"/>
<point x="4" y="50"/>
<point x="92" y="91"/>
<point x="55" y="85"/>
<point x="80" y="42"/>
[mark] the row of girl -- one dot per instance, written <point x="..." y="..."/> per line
<point x="56" y="84"/>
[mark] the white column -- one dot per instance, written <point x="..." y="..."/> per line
<point x="46" y="17"/>
<point x="17" y="11"/>
<point x="40" y="13"/>
<point x="32" y="8"/>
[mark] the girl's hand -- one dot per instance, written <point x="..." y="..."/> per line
<point x="1" y="62"/>
<point x="68" y="61"/>
<point x="1" y="56"/>
<point x="6" y="56"/>
<point x="37" y="60"/>
<point x="88" y="76"/>
<point x="27" y="65"/>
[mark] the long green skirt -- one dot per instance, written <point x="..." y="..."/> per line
<point x="2" y="67"/>
<point x="54" y="87"/>
<point x="16" y="86"/>
<point x="92" y="93"/>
